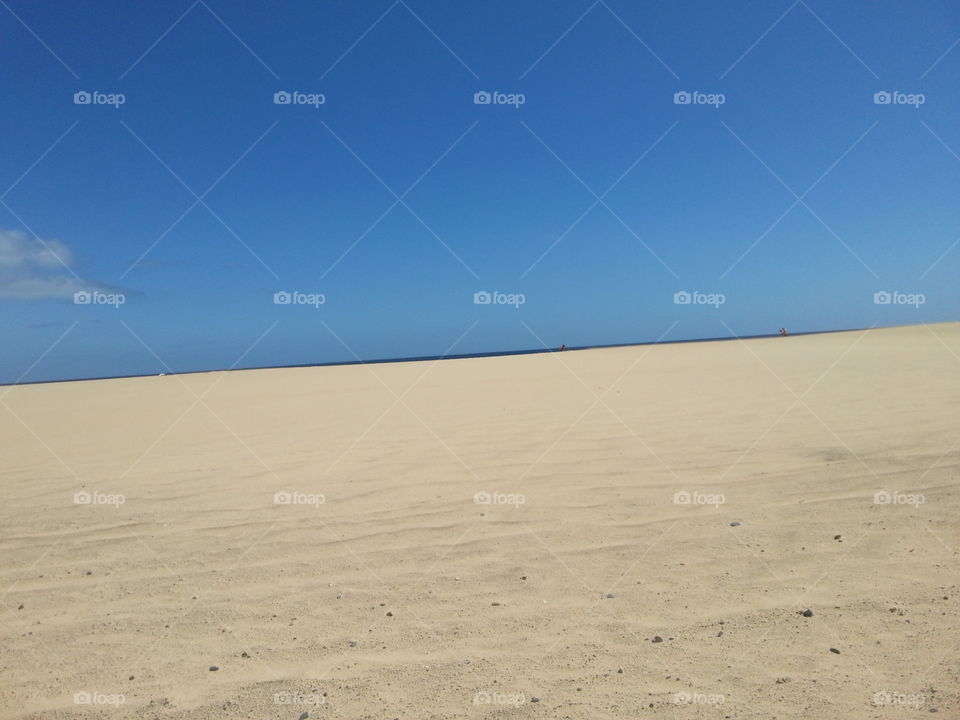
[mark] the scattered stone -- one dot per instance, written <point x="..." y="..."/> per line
<point x="609" y="596"/>
<point x="807" y="613"/>
<point x="782" y="680"/>
<point x="836" y="537"/>
<point x="244" y="654"/>
<point x="353" y="643"/>
<point x="89" y="572"/>
<point x="735" y="523"/>
<point x="21" y="607"/>
<point x="389" y="614"/>
<point x="304" y="716"/>
<point x="495" y="604"/>
<point x="657" y="638"/>
<point x="524" y="577"/>
<point x="620" y="671"/>
<point x="130" y="678"/>
<point x="534" y="699"/>
<point x="720" y="634"/>
<point x="834" y="650"/>
<point x="214" y="668"/>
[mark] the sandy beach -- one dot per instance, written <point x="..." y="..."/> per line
<point x="630" y="532"/>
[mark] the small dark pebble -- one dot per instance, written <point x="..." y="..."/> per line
<point x="807" y="613"/>
<point x="130" y="678"/>
<point x="21" y="607"/>
<point x="735" y="523"/>
<point x="353" y="643"/>
<point x="834" y="650"/>
<point x="244" y="654"/>
<point x="836" y="537"/>
<point x="524" y="577"/>
<point x="304" y="716"/>
<point x="495" y="604"/>
<point x="214" y="668"/>
<point x="609" y="596"/>
<point x="389" y="614"/>
<point x="720" y="634"/>
<point x="657" y="638"/>
<point x="620" y="671"/>
<point x="534" y="699"/>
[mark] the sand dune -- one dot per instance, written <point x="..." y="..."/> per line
<point x="609" y="484"/>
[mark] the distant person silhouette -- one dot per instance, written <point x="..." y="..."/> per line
<point x="562" y="348"/>
<point x="783" y="332"/>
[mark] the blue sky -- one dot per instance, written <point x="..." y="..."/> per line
<point x="398" y="198"/>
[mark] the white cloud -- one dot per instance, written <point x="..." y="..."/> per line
<point x="33" y="269"/>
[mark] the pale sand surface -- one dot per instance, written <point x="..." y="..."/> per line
<point x="199" y="566"/>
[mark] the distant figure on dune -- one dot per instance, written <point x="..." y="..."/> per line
<point x="783" y="332"/>
<point x="562" y="348"/>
